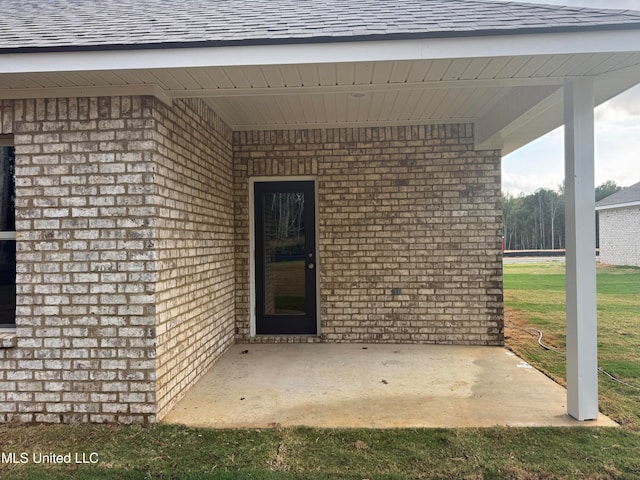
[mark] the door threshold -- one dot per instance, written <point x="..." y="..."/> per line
<point x="285" y="338"/>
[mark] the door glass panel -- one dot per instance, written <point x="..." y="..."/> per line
<point x="284" y="263"/>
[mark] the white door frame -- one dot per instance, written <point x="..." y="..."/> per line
<point x="252" y="244"/>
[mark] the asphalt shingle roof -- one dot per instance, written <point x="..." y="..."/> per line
<point x="97" y="24"/>
<point x="626" y="195"/>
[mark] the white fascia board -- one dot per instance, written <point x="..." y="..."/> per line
<point x="332" y="52"/>
<point x="618" y="205"/>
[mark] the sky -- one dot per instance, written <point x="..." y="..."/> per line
<point x="540" y="164"/>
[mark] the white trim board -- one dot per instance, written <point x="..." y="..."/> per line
<point x="379" y="50"/>
<point x="618" y="205"/>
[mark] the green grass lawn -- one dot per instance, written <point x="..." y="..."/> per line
<point x="534" y="298"/>
<point x="172" y="452"/>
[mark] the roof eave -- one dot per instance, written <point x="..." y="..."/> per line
<point x="618" y="205"/>
<point x="320" y="39"/>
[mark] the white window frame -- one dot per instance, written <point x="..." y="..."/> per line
<point x="7" y="141"/>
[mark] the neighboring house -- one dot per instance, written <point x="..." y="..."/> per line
<point x="619" y="215"/>
<point x="191" y="174"/>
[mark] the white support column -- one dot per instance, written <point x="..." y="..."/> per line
<point x="582" y="341"/>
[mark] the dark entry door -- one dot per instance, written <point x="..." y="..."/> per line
<point x="285" y="258"/>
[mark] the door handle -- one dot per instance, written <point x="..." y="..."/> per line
<point x="311" y="266"/>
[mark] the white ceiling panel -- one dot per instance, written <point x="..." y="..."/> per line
<point x="400" y="72"/>
<point x="418" y="71"/>
<point x="572" y="63"/>
<point x="625" y="61"/>
<point x="318" y="106"/>
<point x="343" y="93"/>
<point x="255" y="77"/>
<point x="345" y="74"/>
<point x="391" y="106"/>
<point x="363" y="73"/>
<point x="376" y="102"/>
<point x="456" y="69"/>
<point x="458" y="106"/>
<point x="272" y="75"/>
<point x="327" y="74"/>
<point x="309" y="75"/>
<point x="388" y="101"/>
<point x="200" y="76"/>
<point x="56" y="80"/>
<point x="142" y="77"/>
<point x="185" y="79"/>
<point x="413" y="109"/>
<point x="511" y="68"/>
<point x="532" y="65"/>
<point x="494" y="67"/>
<point x="341" y="107"/>
<point x="485" y="100"/>
<point x="382" y="72"/>
<point x="589" y="63"/>
<point x="424" y="105"/>
<point x="474" y="69"/>
<point x="237" y="77"/>
<point x="219" y="78"/>
<point x="551" y="65"/>
<point x="19" y="80"/>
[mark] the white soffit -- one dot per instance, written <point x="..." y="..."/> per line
<point x="548" y="115"/>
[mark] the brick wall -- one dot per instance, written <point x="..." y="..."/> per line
<point x="194" y="235"/>
<point x="409" y="208"/>
<point x="620" y="236"/>
<point x="133" y="246"/>
<point x="125" y="258"/>
<point x="85" y="262"/>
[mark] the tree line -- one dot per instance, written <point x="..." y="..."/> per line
<point x="536" y="221"/>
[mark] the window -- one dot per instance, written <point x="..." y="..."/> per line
<point x="7" y="234"/>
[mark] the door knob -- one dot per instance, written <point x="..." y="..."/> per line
<point x="311" y="266"/>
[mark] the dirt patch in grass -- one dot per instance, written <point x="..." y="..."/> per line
<point x="522" y="338"/>
<point x="517" y="330"/>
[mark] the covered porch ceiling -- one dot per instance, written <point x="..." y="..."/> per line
<point x="512" y="97"/>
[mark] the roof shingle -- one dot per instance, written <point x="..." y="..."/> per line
<point x="625" y="196"/>
<point x="98" y="24"/>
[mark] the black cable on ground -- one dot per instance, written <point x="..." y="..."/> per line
<point x="546" y="347"/>
<point x="607" y="374"/>
<point x="600" y="369"/>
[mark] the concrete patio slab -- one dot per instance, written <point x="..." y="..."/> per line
<point x="373" y="386"/>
